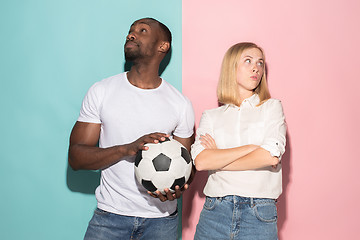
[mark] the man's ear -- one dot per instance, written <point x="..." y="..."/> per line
<point x="164" y="47"/>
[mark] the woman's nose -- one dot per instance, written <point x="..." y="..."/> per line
<point x="255" y="69"/>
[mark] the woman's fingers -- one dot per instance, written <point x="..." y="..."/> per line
<point x="207" y="141"/>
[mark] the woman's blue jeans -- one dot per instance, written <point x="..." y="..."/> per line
<point x="235" y="217"/>
<point x="109" y="226"/>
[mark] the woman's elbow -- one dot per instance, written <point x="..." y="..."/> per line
<point x="268" y="158"/>
<point x="199" y="164"/>
<point x="274" y="161"/>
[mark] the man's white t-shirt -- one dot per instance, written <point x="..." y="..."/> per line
<point x="126" y="113"/>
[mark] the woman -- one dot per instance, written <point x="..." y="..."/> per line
<point x="241" y="143"/>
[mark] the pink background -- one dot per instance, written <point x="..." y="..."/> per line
<point x="312" y="50"/>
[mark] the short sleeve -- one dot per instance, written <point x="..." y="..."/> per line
<point x="91" y="105"/>
<point x="205" y="126"/>
<point x="275" y="130"/>
<point x="185" y="127"/>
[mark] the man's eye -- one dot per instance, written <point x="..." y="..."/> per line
<point x="143" y="30"/>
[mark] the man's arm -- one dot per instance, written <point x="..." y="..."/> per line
<point x="187" y="142"/>
<point x="84" y="153"/>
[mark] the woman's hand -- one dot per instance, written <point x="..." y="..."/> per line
<point x="207" y="142"/>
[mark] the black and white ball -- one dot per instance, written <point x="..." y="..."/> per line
<point x="163" y="165"/>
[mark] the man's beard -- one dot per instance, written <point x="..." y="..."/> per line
<point x="131" y="56"/>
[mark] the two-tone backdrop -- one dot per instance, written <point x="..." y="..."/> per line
<point x="53" y="51"/>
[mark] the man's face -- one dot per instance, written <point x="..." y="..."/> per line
<point x="142" y="40"/>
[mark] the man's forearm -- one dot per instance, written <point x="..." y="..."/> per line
<point x="94" y="158"/>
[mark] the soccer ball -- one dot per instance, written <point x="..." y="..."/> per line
<point x="164" y="165"/>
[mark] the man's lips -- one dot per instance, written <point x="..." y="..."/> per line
<point x="130" y="44"/>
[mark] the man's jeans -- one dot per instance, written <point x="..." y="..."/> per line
<point x="109" y="226"/>
<point x="235" y="217"/>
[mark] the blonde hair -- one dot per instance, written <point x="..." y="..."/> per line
<point x="227" y="90"/>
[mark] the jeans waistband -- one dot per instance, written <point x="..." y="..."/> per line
<point x="174" y="213"/>
<point x="250" y="200"/>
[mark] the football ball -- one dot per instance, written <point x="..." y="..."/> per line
<point x="164" y="165"/>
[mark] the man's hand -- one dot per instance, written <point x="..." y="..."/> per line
<point x="85" y="154"/>
<point x="168" y="195"/>
<point x="134" y="147"/>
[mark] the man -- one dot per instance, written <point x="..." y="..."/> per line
<point x="121" y="114"/>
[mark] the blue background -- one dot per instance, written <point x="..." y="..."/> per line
<point x="51" y="53"/>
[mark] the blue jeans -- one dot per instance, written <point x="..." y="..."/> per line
<point x="235" y="217"/>
<point x="109" y="226"/>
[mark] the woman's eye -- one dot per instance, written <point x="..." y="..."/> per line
<point x="248" y="61"/>
<point x="260" y="63"/>
<point x="143" y="30"/>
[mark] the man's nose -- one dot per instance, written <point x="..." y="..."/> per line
<point x="131" y="36"/>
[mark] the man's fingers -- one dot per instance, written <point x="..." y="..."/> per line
<point x="155" y="137"/>
<point x="177" y="192"/>
<point x="169" y="195"/>
<point x="150" y="138"/>
<point x="160" y="196"/>
<point x="152" y="194"/>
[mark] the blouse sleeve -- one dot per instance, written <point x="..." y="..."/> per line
<point x="275" y="130"/>
<point x="205" y="126"/>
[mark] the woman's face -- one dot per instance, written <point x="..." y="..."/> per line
<point x="249" y="70"/>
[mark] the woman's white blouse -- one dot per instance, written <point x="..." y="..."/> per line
<point x="233" y="126"/>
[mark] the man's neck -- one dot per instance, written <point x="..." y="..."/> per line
<point x="144" y="76"/>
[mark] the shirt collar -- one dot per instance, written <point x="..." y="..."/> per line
<point x="253" y="101"/>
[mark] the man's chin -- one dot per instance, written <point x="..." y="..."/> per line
<point x="130" y="57"/>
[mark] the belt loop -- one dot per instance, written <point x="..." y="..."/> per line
<point x="252" y="202"/>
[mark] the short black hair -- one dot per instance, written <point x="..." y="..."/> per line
<point x="164" y="28"/>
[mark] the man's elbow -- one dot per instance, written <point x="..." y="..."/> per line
<point x="73" y="164"/>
